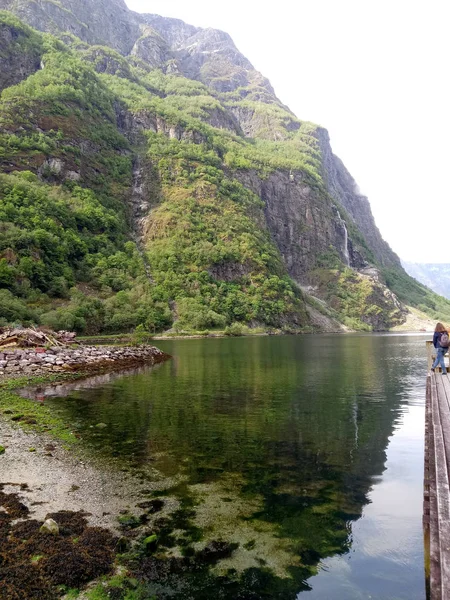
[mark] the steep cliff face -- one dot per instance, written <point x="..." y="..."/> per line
<point x="193" y="193"/>
<point x="208" y="55"/>
<point x="344" y="189"/>
<point x="302" y="222"/>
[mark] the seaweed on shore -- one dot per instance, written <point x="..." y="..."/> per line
<point x="34" y="564"/>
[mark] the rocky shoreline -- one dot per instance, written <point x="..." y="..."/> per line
<point x="87" y="499"/>
<point x="42" y="361"/>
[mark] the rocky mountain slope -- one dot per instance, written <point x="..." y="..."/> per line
<point x="435" y="276"/>
<point x="150" y="177"/>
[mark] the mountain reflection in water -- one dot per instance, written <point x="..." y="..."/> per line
<point x="280" y="444"/>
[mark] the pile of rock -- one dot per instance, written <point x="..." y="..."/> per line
<point x="85" y="358"/>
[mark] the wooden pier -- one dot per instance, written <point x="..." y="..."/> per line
<point x="436" y="518"/>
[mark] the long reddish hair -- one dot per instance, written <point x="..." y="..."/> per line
<point x="440" y="328"/>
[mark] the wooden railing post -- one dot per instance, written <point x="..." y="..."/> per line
<point x="430" y="356"/>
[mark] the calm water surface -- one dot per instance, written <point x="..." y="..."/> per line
<point x="307" y="450"/>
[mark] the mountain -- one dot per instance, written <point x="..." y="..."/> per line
<point x="435" y="276"/>
<point x="149" y="176"/>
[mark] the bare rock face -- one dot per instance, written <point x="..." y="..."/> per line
<point x="104" y="22"/>
<point x="343" y="188"/>
<point x="208" y="55"/>
<point x="152" y="49"/>
<point x="108" y="61"/>
<point x="175" y="31"/>
<point x="18" y="57"/>
<point x="301" y="223"/>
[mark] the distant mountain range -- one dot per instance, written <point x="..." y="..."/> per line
<point x="433" y="275"/>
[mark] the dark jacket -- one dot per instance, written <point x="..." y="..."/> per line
<point x="437" y="338"/>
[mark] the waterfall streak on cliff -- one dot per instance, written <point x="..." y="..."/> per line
<point x="345" y="245"/>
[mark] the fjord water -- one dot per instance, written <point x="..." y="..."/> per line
<point x="317" y="439"/>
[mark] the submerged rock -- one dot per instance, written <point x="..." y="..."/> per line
<point x="152" y="506"/>
<point x="215" y="551"/>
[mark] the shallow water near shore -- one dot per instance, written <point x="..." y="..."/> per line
<point x="306" y="451"/>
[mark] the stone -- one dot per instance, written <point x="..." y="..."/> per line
<point x="73" y="175"/>
<point x="50" y="526"/>
<point x="101" y="425"/>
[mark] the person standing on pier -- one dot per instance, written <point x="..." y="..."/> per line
<point x="440" y="342"/>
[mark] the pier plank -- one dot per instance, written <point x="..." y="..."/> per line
<point x="437" y="485"/>
<point x="431" y="528"/>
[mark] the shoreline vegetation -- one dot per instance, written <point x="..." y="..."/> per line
<point x="130" y="338"/>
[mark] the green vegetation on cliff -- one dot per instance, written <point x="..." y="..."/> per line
<point x="122" y="202"/>
<point x="61" y="234"/>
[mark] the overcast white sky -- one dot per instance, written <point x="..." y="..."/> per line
<point x="375" y="73"/>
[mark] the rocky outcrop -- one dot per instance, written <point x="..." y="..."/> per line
<point x="208" y="55"/>
<point x="85" y="358"/>
<point x="257" y="123"/>
<point x="388" y="311"/>
<point x="152" y="49"/>
<point x="108" y="61"/>
<point x="18" y="57"/>
<point x="104" y="22"/>
<point x="133" y="124"/>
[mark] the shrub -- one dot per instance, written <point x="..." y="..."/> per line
<point x="141" y="336"/>
<point x="235" y="330"/>
<point x="63" y="319"/>
<point x="14" y="310"/>
<point x="193" y="314"/>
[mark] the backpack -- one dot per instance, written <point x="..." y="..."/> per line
<point x="444" y="341"/>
